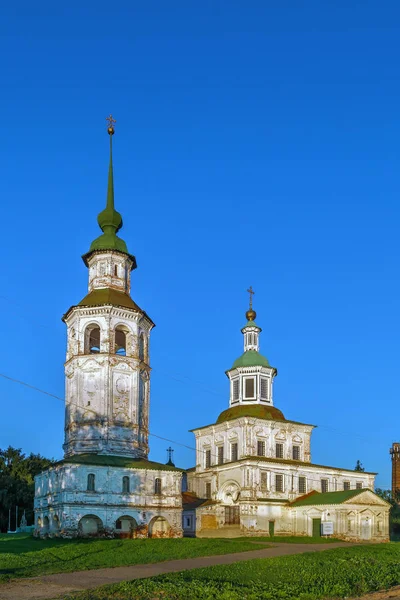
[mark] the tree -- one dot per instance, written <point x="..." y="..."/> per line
<point x="17" y="485"/>
<point x="359" y="467"/>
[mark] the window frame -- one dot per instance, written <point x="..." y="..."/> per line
<point x="346" y="486"/>
<point x="302" y="484"/>
<point x="208" y="490"/>
<point x="324" y="483"/>
<point x="265" y="381"/>
<point x="234" y="454"/>
<point x="296" y="448"/>
<point x="220" y="455"/>
<point x="249" y="378"/>
<point x="91" y="482"/>
<point x="126" y="485"/>
<point x="261" y="447"/>
<point x="281" y="450"/>
<point x="157" y="486"/>
<point x="236" y="389"/>
<point x="207" y="458"/>
<point x="279" y="477"/>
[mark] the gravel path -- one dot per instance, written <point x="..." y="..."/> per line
<point x="60" y="584"/>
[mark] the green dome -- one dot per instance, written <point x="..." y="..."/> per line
<point x="258" y="411"/>
<point x="251" y="358"/>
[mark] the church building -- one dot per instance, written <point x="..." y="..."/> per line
<point x="105" y="485"/>
<point x="254" y="474"/>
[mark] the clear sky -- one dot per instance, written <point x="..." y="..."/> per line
<point x="257" y="143"/>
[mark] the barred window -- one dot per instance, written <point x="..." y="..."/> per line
<point x="302" y="485"/>
<point x="236" y="389"/>
<point x="208" y="489"/>
<point x="296" y="452"/>
<point x="264" y="388"/>
<point x="346" y="485"/>
<point x="260" y="448"/>
<point x="208" y="459"/>
<point x="220" y="455"/>
<point x="324" y="485"/>
<point x="279" y="483"/>
<point x="234" y="451"/>
<point x="279" y="451"/>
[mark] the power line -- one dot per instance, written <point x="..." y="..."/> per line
<point x="259" y="462"/>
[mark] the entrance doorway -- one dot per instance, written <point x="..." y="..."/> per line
<point x="232" y="515"/>
<point x="271" y="528"/>
<point x="316" y="527"/>
<point x="366" y="529"/>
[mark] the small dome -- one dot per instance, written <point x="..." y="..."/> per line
<point x="251" y="358"/>
<point x="251" y="315"/>
<point x="270" y="413"/>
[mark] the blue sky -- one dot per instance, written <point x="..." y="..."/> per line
<point x="256" y="144"/>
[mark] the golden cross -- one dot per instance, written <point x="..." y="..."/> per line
<point x="111" y="121"/>
<point x="250" y="290"/>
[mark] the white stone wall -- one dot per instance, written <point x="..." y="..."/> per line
<point x="102" y="390"/>
<point x="61" y="492"/>
<point x="246" y="432"/>
<point x="110" y="270"/>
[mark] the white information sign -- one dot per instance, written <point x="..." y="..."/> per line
<point x="327" y="528"/>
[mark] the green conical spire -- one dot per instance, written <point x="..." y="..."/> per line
<point x="109" y="220"/>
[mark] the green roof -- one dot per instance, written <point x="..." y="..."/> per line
<point x="110" y="222"/>
<point x="251" y="324"/>
<point x="250" y="358"/>
<point x="257" y="411"/>
<point x="105" y="460"/>
<point x="328" y="497"/>
<point x="109" y="296"/>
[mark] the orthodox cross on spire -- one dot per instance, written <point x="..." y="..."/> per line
<point x="170" y="452"/>
<point x="250" y="291"/>
<point x="110" y="122"/>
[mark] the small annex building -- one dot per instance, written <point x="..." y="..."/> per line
<point x="254" y="474"/>
<point x="105" y="485"/>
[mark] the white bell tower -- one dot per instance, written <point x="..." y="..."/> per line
<point x="108" y="367"/>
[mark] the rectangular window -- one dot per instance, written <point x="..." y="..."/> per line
<point x="350" y="525"/>
<point x="359" y="485"/>
<point x="234" y="451"/>
<point x="302" y="485"/>
<point x="260" y="448"/>
<point x="236" y="389"/>
<point x="346" y="485"/>
<point x="91" y="482"/>
<point x="279" y="450"/>
<point x="264" y="480"/>
<point x="249" y="388"/>
<point x="125" y="485"/>
<point x="208" y="459"/>
<point x="264" y="388"/>
<point x="188" y="521"/>
<point x="279" y="483"/>
<point x="208" y="489"/>
<point x="324" y="485"/>
<point x="296" y="452"/>
<point x="157" y="485"/>
<point x="220" y="455"/>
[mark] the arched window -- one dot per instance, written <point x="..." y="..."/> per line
<point x="91" y="482"/>
<point x="92" y="339"/>
<point x="157" y="485"/>
<point x="120" y="342"/>
<point x="125" y="485"/>
<point x="141" y="346"/>
<point x="141" y="400"/>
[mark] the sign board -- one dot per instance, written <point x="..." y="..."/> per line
<point x="327" y="528"/>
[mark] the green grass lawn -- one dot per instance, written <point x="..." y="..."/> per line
<point x="23" y="556"/>
<point x="338" y="573"/>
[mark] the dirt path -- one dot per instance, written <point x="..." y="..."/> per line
<point x="386" y="595"/>
<point x="60" y="584"/>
